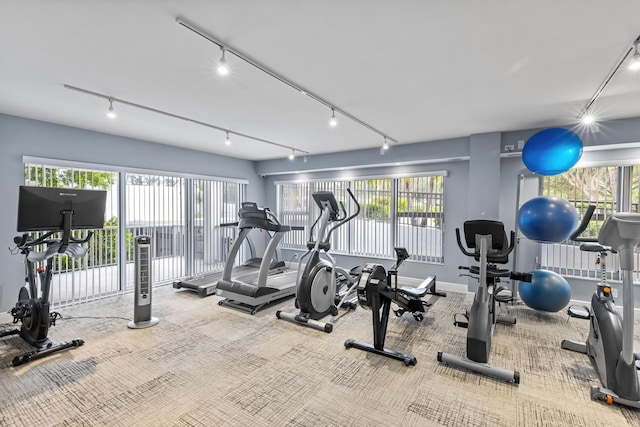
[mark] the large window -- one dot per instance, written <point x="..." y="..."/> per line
<point x="407" y="212"/>
<point x="215" y="203"/>
<point x="183" y="217"/>
<point x="599" y="186"/>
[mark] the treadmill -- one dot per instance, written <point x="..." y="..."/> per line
<point x="205" y="284"/>
<point x="252" y="292"/>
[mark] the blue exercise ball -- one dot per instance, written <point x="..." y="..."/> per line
<point x="548" y="291"/>
<point x="552" y="151"/>
<point x="547" y="219"/>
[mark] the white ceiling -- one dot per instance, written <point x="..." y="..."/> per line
<point x="417" y="70"/>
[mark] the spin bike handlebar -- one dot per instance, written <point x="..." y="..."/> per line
<point x="24" y="242"/>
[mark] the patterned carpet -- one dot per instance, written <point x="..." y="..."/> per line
<point x="206" y="365"/>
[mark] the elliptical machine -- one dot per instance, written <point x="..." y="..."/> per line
<point x="319" y="289"/>
<point x="609" y="344"/>
<point x="377" y="289"/>
<point x="59" y="210"/>
<point x="488" y="240"/>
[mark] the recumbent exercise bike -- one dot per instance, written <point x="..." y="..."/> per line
<point x="53" y="210"/>
<point x="488" y="240"/>
<point x="377" y="289"/>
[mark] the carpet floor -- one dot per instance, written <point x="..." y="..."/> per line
<point x="207" y="365"/>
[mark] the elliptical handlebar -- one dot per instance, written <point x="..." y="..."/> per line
<point x="346" y="219"/>
<point x="586" y="219"/>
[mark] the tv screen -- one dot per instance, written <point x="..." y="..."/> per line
<point x="41" y="208"/>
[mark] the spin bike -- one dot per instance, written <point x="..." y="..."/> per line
<point x="322" y="287"/>
<point x="377" y="289"/>
<point x="488" y="240"/>
<point x="39" y="206"/>
<point x="609" y="344"/>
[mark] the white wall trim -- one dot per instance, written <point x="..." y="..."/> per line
<point x="126" y="169"/>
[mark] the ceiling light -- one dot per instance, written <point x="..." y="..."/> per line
<point x="227" y="141"/>
<point x="223" y="68"/>
<point x="588" y="119"/>
<point x="111" y="112"/>
<point x="333" y="122"/>
<point x="292" y="155"/>
<point x="634" y="64"/>
<point x="385" y="146"/>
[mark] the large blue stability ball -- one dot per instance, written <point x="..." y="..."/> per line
<point x="548" y="291"/>
<point x="547" y="219"/>
<point x="552" y="151"/>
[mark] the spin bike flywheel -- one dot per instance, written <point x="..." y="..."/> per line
<point x="25" y="310"/>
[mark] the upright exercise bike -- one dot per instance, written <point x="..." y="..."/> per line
<point x="58" y="210"/>
<point x="488" y="240"/>
<point x="609" y="344"/>
<point x="322" y="287"/>
<point x="377" y="290"/>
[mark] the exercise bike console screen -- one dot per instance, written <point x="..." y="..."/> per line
<point x="43" y="208"/>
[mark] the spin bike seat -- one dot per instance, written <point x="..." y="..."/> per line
<point x="492" y="273"/>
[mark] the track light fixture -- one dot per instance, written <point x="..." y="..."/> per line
<point x="223" y="68"/>
<point x="176" y="116"/>
<point x="385" y="146"/>
<point x="634" y="64"/>
<point x="227" y="141"/>
<point x="292" y="155"/>
<point x="333" y="122"/>
<point x="225" y="47"/>
<point x="111" y="113"/>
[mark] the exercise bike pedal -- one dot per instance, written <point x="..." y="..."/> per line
<point x="53" y="316"/>
<point x="579" y="312"/>
<point x="461" y="324"/>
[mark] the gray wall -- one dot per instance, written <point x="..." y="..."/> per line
<point x="471" y="163"/>
<point x="23" y="137"/>
<point x="479" y="181"/>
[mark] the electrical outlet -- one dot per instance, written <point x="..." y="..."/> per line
<point x="520" y="144"/>
<point x="614" y="292"/>
<point x="509" y="148"/>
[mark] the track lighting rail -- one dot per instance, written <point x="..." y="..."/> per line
<point x="230" y="49"/>
<point x="112" y="99"/>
